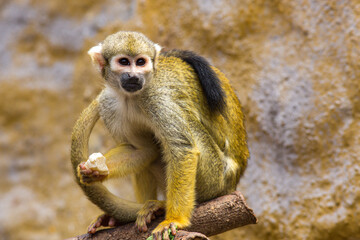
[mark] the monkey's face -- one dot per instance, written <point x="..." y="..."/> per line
<point x="126" y="60"/>
<point x="130" y="74"/>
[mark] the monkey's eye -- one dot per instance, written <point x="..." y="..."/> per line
<point x="140" y="62"/>
<point x="124" y="61"/>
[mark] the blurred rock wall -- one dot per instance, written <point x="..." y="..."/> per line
<point x="295" y="66"/>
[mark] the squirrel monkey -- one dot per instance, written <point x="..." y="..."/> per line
<point x="178" y="128"/>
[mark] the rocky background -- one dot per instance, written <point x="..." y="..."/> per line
<point x="295" y="66"/>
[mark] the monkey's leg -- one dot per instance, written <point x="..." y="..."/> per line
<point x="145" y="186"/>
<point x="121" y="161"/>
<point x="211" y="171"/>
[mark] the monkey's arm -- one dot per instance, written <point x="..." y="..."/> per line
<point x="81" y="134"/>
<point x="121" y="161"/>
<point x="126" y="159"/>
<point x="123" y="210"/>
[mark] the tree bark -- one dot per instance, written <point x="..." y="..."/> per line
<point x="209" y="218"/>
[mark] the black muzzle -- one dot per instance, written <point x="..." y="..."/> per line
<point x="131" y="83"/>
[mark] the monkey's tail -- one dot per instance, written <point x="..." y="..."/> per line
<point x="209" y="81"/>
<point x="123" y="210"/>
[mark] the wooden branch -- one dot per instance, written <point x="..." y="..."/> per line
<point x="209" y="218"/>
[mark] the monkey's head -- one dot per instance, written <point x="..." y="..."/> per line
<point x="126" y="60"/>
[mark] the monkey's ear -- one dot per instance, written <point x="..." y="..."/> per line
<point x="97" y="57"/>
<point x="157" y="53"/>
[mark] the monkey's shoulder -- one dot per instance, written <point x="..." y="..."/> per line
<point x="174" y="67"/>
<point x="174" y="77"/>
<point x="205" y="75"/>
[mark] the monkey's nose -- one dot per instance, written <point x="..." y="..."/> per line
<point x="133" y="80"/>
<point x="131" y="83"/>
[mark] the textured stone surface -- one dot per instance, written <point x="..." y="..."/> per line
<point x="296" y="68"/>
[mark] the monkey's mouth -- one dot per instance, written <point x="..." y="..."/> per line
<point x="131" y="87"/>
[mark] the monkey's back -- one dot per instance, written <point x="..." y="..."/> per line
<point x="177" y="81"/>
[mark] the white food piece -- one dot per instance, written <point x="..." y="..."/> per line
<point x="96" y="162"/>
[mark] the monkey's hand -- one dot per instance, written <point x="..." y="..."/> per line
<point x="150" y="210"/>
<point x="161" y="232"/>
<point x="93" y="170"/>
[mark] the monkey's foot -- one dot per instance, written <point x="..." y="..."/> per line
<point x="103" y="220"/>
<point x="150" y="210"/>
<point x="89" y="176"/>
<point x="161" y="232"/>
